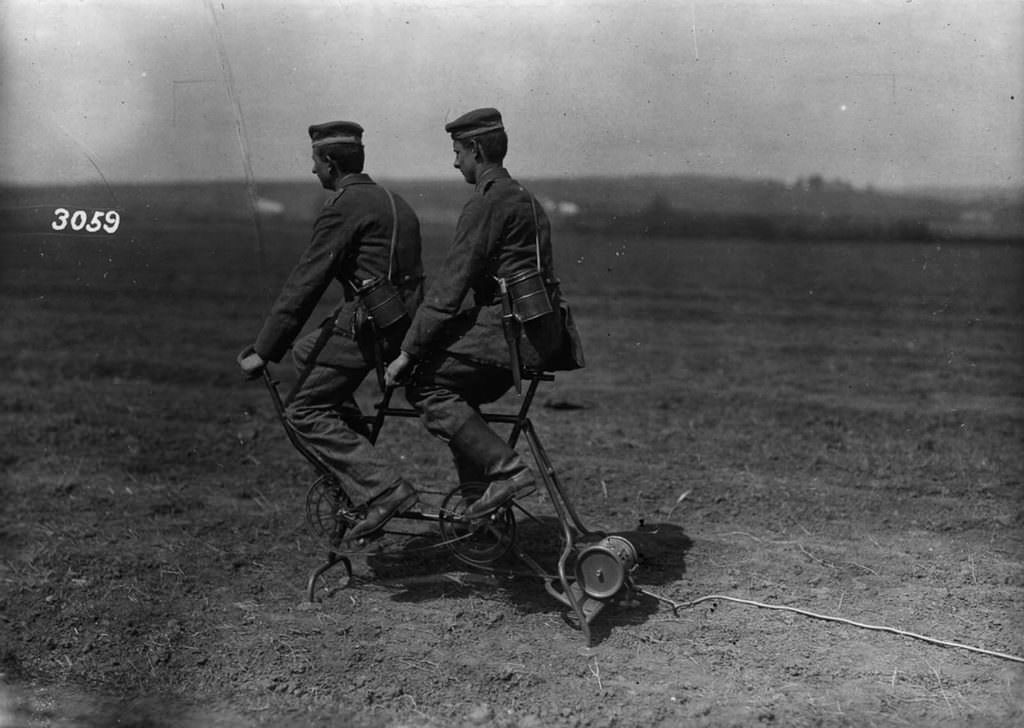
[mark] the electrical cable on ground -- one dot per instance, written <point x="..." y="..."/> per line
<point x="878" y="628"/>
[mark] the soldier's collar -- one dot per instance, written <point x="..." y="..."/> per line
<point x="355" y="178"/>
<point x="487" y="177"/>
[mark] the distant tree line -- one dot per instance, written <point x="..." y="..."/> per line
<point x="660" y="219"/>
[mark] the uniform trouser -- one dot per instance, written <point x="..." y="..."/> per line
<point x="326" y="418"/>
<point x="448" y="392"/>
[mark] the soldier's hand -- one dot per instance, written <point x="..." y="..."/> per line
<point x="250" y="363"/>
<point x="397" y="370"/>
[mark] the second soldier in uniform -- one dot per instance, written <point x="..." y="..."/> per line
<point x="458" y="352"/>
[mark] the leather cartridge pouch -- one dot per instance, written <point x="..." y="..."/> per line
<point x="529" y="294"/>
<point x="382" y="301"/>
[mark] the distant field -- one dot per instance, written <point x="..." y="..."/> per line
<point x="678" y="206"/>
<point x="225" y="256"/>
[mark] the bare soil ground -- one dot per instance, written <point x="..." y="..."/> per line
<point x="846" y="419"/>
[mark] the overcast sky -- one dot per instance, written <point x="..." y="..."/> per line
<point x="889" y="93"/>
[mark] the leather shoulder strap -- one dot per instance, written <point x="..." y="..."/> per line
<point x="394" y="233"/>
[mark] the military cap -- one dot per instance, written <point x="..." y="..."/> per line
<point x="336" y="132"/>
<point x="472" y="123"/>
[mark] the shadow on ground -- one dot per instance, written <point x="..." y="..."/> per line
<point x="420" y="569"/>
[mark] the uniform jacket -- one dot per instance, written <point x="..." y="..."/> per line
<point x="496" y="237"/>
<point x="350" y="244"/>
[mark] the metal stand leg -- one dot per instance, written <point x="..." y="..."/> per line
<point x="333" y="559"/>
<point x="572" y="528"/>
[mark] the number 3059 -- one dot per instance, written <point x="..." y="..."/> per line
<point x="90" y="221"/>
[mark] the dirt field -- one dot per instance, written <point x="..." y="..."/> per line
<point x="846" y="419"/>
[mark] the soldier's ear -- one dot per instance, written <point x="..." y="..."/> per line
<point x="478" y="153"/>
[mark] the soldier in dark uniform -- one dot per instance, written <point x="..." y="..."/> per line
<point x="456" y="348"/>
<point x="362" y="234"/>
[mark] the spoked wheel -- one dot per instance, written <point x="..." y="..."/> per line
<point x="327" y="511"/>
<point x="479" y="542"/>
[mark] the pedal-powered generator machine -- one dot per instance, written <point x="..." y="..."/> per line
<point x="594" y="568"/>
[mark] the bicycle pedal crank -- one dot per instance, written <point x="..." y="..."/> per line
<point x="475" y="542"/>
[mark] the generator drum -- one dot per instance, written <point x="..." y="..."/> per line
<point x="602" y="568"/>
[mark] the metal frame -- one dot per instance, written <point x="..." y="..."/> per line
<point x="573" y="531"/>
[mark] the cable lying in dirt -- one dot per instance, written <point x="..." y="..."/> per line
<point x="878" y="628"/>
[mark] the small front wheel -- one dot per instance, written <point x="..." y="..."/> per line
<point x="328" y="511"/>
<point x="479" y="542"/>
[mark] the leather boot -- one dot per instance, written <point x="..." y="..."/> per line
<point x="467" y="471"/>
<point x="478" y="445"/>
<point x="500" y="493"/>
<point x="382" y="509"/>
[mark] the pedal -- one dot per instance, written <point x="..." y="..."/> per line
<point x="350" y="516"/>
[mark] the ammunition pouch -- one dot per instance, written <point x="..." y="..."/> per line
<point x="382" y="302"/>
<point x="529" y="296"/>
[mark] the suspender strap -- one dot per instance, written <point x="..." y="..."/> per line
<point x="356" y="285"/>
<point x="536" y="227"/>
<point x="394" y="233"/>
